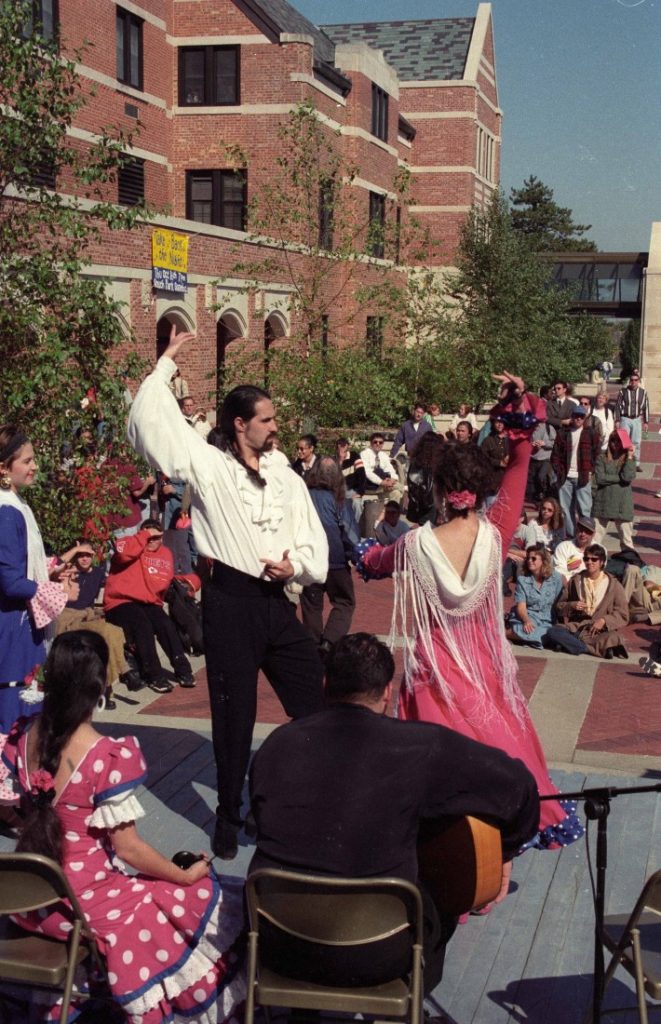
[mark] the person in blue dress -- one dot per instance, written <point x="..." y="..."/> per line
<point x="27" y="598"/>
<point x="537" y="591"/>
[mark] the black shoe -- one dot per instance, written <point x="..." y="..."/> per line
<point x="181" y="666"/>
<point x="187" y="681"/>
<point x="639" y="469"/>
<point x="609" y="654"/>
<point x="132" y="680"/>
<point x="161" y="685"/>
<point x="225" y="843"/>
<point x="621" y="652"/>
<point x="111" y="704"/>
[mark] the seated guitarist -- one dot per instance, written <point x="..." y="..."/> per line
<point x="343" y="792"/>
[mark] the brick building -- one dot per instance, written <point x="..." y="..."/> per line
<point x="203" y="76"/>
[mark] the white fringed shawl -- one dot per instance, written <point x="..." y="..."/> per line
<point x="430" y="597"/>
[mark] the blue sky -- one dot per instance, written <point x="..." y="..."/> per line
<point x="580" y="87"/>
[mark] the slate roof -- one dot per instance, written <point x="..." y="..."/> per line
<point x="417" y="50"/>
<point x="289" y="20"/>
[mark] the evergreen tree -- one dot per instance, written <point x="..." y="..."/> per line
<point x="546" y="226"/>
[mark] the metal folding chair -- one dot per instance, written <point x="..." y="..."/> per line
<point x="321" y="917"/>
<point x="635" y="942"/>
<point x="29" y="881"/>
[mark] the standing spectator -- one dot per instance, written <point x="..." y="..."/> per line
<point x="573" y="459"/>
<point x="559" y="405"/>
<point x="23" y="578"/>
<point x="187" y="406"/>
<point x="548" y="528"/>
<point x="420" y="479"/>
<point x="601" y="412"/>
<point x="591" y="420"/>
<point x="326" y="485"/>
<point x="179" y="386"/>
<point x="632" y="411"/>
<point x="612" y="500"/>
<point x="390" y="526"/>
<point x="411" y="431"/>
<point x="201" y="423"/>
<point x="594" y="611"/>
<point x="434" y="417"/>
<point x="141" y="570"/>
<point x="464" y="415"/>
<point x="496" y="448"/>
<point x="607" y="369"/>
<point x="568" y="556"/>
<point x="537" y="590"/>
<point x="305" y="452"/>
<point x="540" y="474"/>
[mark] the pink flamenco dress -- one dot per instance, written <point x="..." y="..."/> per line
<point x="459" y="668"/>
<point x="173" y="953"/>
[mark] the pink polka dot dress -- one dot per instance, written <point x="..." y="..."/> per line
<point x="173" y="953"/>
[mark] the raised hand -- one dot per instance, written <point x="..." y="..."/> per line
<point x="177" y="341"/>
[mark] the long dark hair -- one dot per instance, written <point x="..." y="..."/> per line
<point x="240" y="401"/>
<point x="74" y="679"/>
<point x="326" y="475"/>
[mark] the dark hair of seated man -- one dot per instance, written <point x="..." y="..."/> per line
<point x="358" y="669"/>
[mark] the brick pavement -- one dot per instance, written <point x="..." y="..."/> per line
<point x="589" y="713"/>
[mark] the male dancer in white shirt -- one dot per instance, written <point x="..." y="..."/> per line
<point x="254" y="518"/>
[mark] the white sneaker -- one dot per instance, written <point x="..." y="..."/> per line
<point x="658" y="494"/>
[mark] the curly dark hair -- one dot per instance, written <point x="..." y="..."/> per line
<point x="463" y="467"/>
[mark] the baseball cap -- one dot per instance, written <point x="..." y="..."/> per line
<point x="579" y="410"/>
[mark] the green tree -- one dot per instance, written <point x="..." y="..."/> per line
<point x="58" y="330"/>
<point x="506" y="314"/>
<point x="630" y="348"/>
<point x="546" y="226"/>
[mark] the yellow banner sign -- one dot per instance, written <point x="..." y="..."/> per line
<point x="169" y="257"/>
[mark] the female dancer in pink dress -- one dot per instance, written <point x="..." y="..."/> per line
<point x="171" y="938"/>
<point x="459" y="669"/>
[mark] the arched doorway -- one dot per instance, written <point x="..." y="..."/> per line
<point x="275" y="326"/>
<point x="228" y="329"/>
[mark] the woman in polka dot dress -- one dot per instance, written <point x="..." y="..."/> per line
<point x="172" y="938"/>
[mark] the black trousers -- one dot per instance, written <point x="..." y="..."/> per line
<point x="249" y="624"/>
<point x="339" y="588"/>
<point x="141" y="623"/>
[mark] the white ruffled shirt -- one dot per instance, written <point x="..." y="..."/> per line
<point x="235" y="521"/>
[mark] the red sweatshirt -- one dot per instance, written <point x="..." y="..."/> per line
<point x="137" y="574"/>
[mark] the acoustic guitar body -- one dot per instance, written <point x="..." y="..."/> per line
<point x="462" y="867"/>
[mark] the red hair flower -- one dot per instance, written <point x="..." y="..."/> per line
<point x="461" y="499"/>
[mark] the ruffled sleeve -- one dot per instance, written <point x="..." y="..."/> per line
<point x="119" y="769"/>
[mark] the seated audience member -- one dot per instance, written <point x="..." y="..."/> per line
<point x="464" y="432"/>
<point x="464" y="415"/>
<point x="344" y="791"/>
<point x="348" y="462"/>
<point x="568" y="555"/>
<point x="516" y="555"/>
<point x="390" y="527"/>
<point x="538" y="588"/>
<point x="141" y="570"/>
<point x="434" y="417"/>
<point x="380" y="481"/>
<point x="80" y="613"/>
<point x="305" y="454"/>
<point x="593" y="612"/>
<point x="549" y="526"/>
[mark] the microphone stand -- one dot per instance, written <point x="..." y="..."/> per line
<point x="597" y="808"/>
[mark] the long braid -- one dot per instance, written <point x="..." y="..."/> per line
<point x="74" y="679"/>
